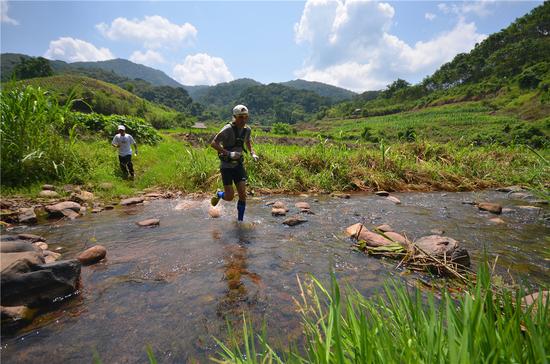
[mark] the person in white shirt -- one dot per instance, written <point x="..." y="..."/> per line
<point x="124" y="142"/>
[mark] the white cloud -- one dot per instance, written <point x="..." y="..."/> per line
<point x="148" y="58"/>
<point x="76" y="50"/>
<point x="430" y="16"/>
<point x="479" y="8"/>
<point x="153" y="31"/>
<point x="4" y="17"/>
<point x="351" y="45"/>
<point x="202" y="69"/>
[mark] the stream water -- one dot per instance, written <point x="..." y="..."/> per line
<point x="175" y="286"/>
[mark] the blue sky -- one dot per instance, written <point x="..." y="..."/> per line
<point x="356" y="44"/>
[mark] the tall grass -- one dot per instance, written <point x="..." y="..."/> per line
<point x="404" y="325"/>
<point x="32" y="146"/>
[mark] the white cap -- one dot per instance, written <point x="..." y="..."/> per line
<point x="121" y="127"/>
<point x="240" y="110"/>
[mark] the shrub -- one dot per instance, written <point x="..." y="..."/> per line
<point x="282" y="128"/>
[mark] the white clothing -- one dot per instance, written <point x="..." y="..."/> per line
<point x="125" y="143"/>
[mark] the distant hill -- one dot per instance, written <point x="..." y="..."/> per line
<point x="224" y="94"/>
<point x="8" y="61"/>
<point x="322" y="89"/>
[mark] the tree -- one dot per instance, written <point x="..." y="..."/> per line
<point x="32" y="67"/>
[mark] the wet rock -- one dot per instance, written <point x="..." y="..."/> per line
<point x="280" y="205"/>
<point x="48" y="187"/>
<point x="393" y="199"/>
<point x="9" y="216"/>
<point x="398" y="238"/>
<point x="360" y="232"/>
<point x="27" y="216"/>
<point x="96" y="210"/>
<point x="154" y="195"/>
<point x="16" y="246"/>
<point x="48" y="194"/>
<point x="384" y="228"/>
<point x="31" y="285"/>
<point x="20" y="261"/>
<point x="33" y="238"/>
<point x="83" y="196"/>
<point x="58" y="209"/>
<point x="149" y="222"/>
<point x="270" y="203"/>
<point x="70" y="214"/>
<point x="131" y="201"/>
<point x="40" y="245"/>
<point x="497" y="220"/>
<point x="520" y="196"/>
<point x="50" y="257"/>
<point x="442" y="247"/>
<point x="16" y="313"/>
<point x="437" y="231"/>
<point x="302" y="206"/>
<point x="494" y="208"/>
<point x="382" y="193"/>
<point x="214" y="212"/>
<point x="92" y="255"/>
<point x="341" y="195"/>
<point x="278" y="212"/>
<point x="294" y="220"/>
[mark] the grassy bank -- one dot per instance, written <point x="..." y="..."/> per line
<point x="404" y="325"/>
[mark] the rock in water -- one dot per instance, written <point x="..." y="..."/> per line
<point x="214" y="212"/>
<point x="149" y="222"/>
<point x="294" y="220"/>
<point x="495" y="208"/>
<point x="92" y="255"/>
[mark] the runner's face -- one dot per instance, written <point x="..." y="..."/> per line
<point x="240" y="120"/>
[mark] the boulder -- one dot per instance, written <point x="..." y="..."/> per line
<point x="27" y="215"/>
<point x="16" y="246"/>
<point x="57" y="209"/>
<point x="442" y="247"/>
<point x="83" y="196"/>
<point x="149" y="222"/>
<point x="34" y="285"/>
<point x="494" y="208"/>
<point x="92" y="255"/>
<point x="48" y="194"/>
<point x="294" y="220"/>
<point x="131" y="201"/>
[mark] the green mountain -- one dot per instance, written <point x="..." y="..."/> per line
<point x="224" y="94"/>
<point x="322" y="89"/>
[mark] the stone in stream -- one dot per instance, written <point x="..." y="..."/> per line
<point x="278" y="212"/>
<point x="83" y="196"/>
<point x="437" y="231"/>
<point x="131" y="201"/>
<point x="360" y="232"/>
<point x="17" y="246"/>
<point x="50" y="257"/>
<point x="294" y="220"/>
<point x="494" y="208"/>
<point x="304" y="207"/>
<point x="26" y="283"/>
<point x="384" y="228"/>
<point x="442" y="247"/>
<point x="393" y="199"/>
<point x="27" y="215"/>
<point x="404" y="242"/>
<point x="92" y="255"/>
<point x="70" y="213"/>
<point x="57" y="210"/>
<point x="214" y="212"/>
<point x="382" y="193"/>
<point x="33" y="238"/>
<point x="280" y="205"/>
<point x="149" y="222"/>
<point x="48" y="194"/>
<point x="40" y="245"/>
<point x="497" y="220"/>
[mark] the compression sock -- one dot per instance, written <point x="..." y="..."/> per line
<point x="241" y="205"/>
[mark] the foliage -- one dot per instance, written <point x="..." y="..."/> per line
<point x="334" y="93"/>
<point x="282" y="128"/>
<point x="403" y="325"/>
<point x="142" y="131"/>
<point x="32" y="67"/>
<point x="37" y="139"/>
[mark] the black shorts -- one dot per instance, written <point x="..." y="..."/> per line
<point x="233" y="175"/>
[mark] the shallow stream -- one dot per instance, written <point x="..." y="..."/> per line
<point x="174" y="286"/>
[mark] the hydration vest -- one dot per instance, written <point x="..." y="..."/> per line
<point x="239" y="142"/>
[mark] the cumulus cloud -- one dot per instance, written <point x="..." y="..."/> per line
<point x="430" y="16"/>
<point x="76" y="50"/>
<point x="148" y="58"/>
<point x="4" y="17"/>
<point x="480" y="8"/>
<point x="153" y="31"/>
<point x="202" y="69"/>
<point x="351" y="45"/>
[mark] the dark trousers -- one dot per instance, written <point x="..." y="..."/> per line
<point x="126" y="165"/>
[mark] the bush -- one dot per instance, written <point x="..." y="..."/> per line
<point x="282" y="128"/>
<point x="37" y="139"/>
